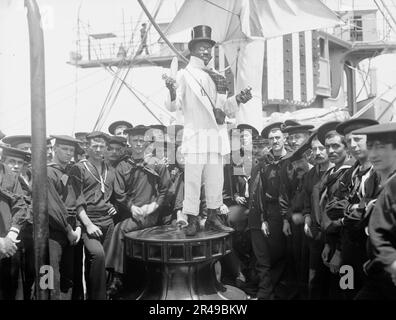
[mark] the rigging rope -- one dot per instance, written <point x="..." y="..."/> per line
<point x="220" y="7"/>
<point x="101" y="119"/>
<point x="141" y="101"/>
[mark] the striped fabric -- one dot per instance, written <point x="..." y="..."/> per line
<point x="291" y="77"/>
<point x="290" y="70"/>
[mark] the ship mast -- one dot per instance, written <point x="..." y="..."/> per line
<point x="39" y="149"/>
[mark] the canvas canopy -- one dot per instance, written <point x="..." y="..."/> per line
<point x="242" y="27"/>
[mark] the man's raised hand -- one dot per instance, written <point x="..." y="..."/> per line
<point x="244" y="96"/>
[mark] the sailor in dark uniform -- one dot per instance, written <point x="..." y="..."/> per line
<point x="236" y="266"/>
<point x="141" y="187"/>
<point x="336" y="148"/>
<point x="24" y="142"/>
<point x="65" y="231"/>
<point x="93" y="184"/>
<point x="381" y="270"/>
<point x="13" y="217"/>
<point x="347" y="199"/>
<point x="17" y="160"/>
<point x="116" y="150"/>
<point x="265" y="220"/>
<point x="311" y="228"/>
<point x="82" y="147"/>
<point x="291" y="204"/>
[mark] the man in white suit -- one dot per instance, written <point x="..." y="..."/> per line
<point x="201" y="94"/>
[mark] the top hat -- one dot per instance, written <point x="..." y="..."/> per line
<point x="201" y="33"/>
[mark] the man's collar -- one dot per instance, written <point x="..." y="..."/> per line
<point x="137" y="160"/>
<point x="319" y="169"/>
<point x="197" y="63"/>
<point x="283" y="154"/>
<point x="55" y="165"/>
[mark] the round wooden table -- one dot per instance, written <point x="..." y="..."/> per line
<point x="173" y="266"/>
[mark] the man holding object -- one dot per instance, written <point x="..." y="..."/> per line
<point x="201" y="94"/>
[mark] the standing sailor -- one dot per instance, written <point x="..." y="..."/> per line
<point x="291" y="205"/>
<point x="336" y="148"/>
<point x="265" y="219"/>
<point x="347" y="199"/>
<point x="17" y="160"/>
<point x="13" y="215"/>
<point x="381" y="270"/>
<point x="311" y="227"/>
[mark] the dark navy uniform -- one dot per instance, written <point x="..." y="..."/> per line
<point x="352" y="235"/>
<point x="13" y="215"/>
<point x="95" y="199"/>
<point x="270" y="251"/>
<point x="137" y="182"/>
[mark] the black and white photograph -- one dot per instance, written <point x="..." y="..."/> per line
<point x="216" y="151"/>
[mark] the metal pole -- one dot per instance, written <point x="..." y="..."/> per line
<point x="39" y="146"/>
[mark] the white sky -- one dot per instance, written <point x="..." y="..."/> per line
<point x="60" y="19"/>
<point x="65" y="114"/>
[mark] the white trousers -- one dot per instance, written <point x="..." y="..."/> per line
<point x="204" y="168"/>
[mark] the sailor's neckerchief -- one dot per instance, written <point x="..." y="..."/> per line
<point x="367" y="213"/>
<point x="332" y="175"/>
<point x="101" y="180"/>
<point x="277" y="159"/>
<point x="358" y="178"/>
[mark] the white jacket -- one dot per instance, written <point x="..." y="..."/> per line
<point x="201" y="132"/>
